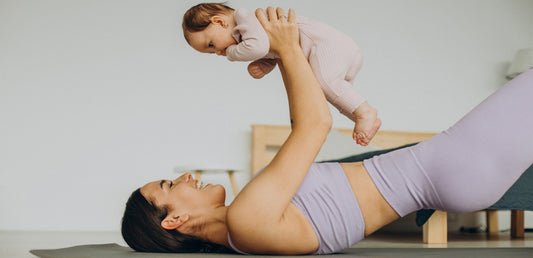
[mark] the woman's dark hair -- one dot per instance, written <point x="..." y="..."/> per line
<point x="198" y="17"/>
<point x="141" y="229"/>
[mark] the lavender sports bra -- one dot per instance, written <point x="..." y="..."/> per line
<point x="327" y="200"/>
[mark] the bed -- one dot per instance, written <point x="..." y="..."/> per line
<point x="267" y="139"/>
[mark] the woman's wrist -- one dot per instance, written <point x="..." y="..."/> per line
<point x="289" y="51"/>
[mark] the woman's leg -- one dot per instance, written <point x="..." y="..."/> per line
<point x="473" y="163"/>
<point x="469" y="166"/>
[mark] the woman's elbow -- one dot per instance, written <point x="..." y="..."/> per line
<point x="322" y="122"/>
<point x="326" y="122"/>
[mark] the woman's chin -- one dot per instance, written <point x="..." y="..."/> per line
<point x="217" y="190"/>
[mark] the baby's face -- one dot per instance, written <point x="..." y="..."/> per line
<point x="214" y="39"/>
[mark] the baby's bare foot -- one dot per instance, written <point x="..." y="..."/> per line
<point x="254" y="69"/>
<point x="367" y="124"/>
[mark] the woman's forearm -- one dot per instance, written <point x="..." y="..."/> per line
<point x="307" y="104"/>
<point x="261" y="209"/>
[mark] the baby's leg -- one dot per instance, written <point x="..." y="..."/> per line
<point x="335" y="71"/>
<point x="261" y="67"/>
<point x="367" y="124"/>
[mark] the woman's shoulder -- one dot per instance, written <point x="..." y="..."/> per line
<point x="293" y="234"/>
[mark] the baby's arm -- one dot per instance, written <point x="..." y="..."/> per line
<point x="254" y="40"/>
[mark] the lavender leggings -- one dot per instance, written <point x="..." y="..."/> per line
<point x="469" y="166"/>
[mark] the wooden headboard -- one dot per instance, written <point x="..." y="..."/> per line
<point x="267" y="139"/>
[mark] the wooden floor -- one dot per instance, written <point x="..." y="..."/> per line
<point x="17" y="243"/>
<point x="455" y="240"/>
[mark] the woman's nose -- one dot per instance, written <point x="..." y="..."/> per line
<point x="187" y="177"/>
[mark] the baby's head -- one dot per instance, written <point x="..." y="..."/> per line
<point x="207" y="27"/>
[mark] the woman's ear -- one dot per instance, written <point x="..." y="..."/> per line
<point x="220" y="20"/>
<point x="171" y="222"/>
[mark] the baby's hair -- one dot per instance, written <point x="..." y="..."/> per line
<point x="197" y="18"/>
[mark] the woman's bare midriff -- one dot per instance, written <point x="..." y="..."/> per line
<point x="375" y="209"/>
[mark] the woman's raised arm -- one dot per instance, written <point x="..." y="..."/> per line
<point x="262" y="204"/>
<point x="307" y="103"/>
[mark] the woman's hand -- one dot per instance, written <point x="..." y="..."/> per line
<point x="282" y="31"/>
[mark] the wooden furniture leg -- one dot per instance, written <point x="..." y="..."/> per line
<point x="233" y="182"/>
<point x="435" y="231"/>
<point x="492" y="222"/>
<point x="517" y="223"/>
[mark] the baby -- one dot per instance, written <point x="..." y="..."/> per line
<point x="333" y="56"/>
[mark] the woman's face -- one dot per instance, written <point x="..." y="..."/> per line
<point x="184" y="194"/>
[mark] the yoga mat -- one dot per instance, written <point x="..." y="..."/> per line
<point x="117" y="251"/>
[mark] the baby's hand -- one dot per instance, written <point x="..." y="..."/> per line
<point x="221" y="52"/>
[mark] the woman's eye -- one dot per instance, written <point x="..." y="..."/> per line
<point x="211" y="44"/>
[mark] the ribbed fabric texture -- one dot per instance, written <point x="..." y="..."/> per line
<point x="328" y="202"/>
<point x="466" y="168"/>
<point x="333" y="56"/>
<point x="469" y="166"/>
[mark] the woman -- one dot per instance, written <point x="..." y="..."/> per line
<point x="296" y="207"/>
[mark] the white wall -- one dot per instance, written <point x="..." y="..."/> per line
<point x="98" y="97"/>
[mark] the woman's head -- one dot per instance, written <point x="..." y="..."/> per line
<point x="208" y="27"/>
<point x="162" y="216"/>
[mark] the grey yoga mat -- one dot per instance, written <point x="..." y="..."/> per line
<point x="117" y="251"/>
